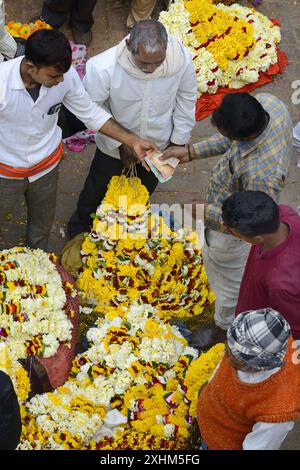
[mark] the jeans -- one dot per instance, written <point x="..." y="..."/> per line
<point x="102" y="169"/>
<point x="40" y="196"/>
<point x="56" y="13"/>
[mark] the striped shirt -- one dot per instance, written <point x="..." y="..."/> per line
<point x="260" y="164"/>
<point x="8" y="46"/>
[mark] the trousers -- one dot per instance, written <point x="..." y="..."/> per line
<point x="224" y="258"/>
<point x="56" y="13"/>
<point x="40" y="197"/>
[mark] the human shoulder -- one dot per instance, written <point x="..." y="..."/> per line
<point x="271" y="103"/>
<point x="103" y="61"/>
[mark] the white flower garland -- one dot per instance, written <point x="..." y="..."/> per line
<point x="238" y="73"/>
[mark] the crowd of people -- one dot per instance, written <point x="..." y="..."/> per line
<point x="140" y="95"/>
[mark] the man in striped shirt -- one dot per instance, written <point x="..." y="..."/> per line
<point x="255" y="137"/>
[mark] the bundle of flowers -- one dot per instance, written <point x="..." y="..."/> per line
<point x="17" y="373"/>
<point x="24" y="30"/>
<point x="131" y="254"/>
<point x="230" y="45"/>
<point x="131" y="375"/>
<point x="34" y="314"/>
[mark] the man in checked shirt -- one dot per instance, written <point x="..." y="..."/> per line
<point x="255" y="138"/>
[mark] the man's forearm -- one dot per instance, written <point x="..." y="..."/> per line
<point x="138" y="145"/>
<point x="112" y="129"/>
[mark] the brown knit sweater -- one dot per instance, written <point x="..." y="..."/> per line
<point x="228" y="408"/>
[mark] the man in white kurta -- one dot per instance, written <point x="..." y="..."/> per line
<point x="148" y="84"/>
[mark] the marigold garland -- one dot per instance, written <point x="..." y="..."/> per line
<point x="134" y="388"/>
<point x="131" y="254"/>
<point x="199" y="373"/>
<point x="227" y="37"/>
<point x="17" y="373"/>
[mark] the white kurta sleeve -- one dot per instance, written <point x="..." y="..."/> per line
<point x="184" y="112"/>
<point x="267" y="436"/>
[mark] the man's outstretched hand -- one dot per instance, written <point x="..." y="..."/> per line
<point x="140" y="147"/>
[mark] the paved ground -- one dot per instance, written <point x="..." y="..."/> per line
<point x="190" y="181"/>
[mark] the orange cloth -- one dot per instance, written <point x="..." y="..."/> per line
<point x="207" y="103"/>
<point x="228" y="408"/>
<point x="12" y="172"/>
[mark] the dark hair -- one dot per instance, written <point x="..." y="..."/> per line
<point x="241" y="115"/>
<point x="49" y="47"/>
<point x="151" y="33"/>
<point x="251" y="213"/>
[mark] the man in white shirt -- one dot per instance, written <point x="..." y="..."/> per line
<point x="148" y="83"/>
<point x="32" y="90"/>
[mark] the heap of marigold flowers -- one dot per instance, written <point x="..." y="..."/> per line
<point x="132" y="255"/>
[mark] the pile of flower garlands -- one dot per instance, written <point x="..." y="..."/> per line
<point x="17" y="373"/>
<point x="132" y="389"/>
<point x="34" y="317"/>
<point x="131" y="254"/>
<point x="230" y="45"/>
<point x="24" y="30"/>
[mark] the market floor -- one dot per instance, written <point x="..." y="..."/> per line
<point x="190" y="182"/>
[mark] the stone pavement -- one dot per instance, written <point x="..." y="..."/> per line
<point x="190" y="182"/>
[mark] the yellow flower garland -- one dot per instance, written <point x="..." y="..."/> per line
<point x="17" y="373"/>
<point x="226" y="36"/>
<point x="199" y="373"/>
